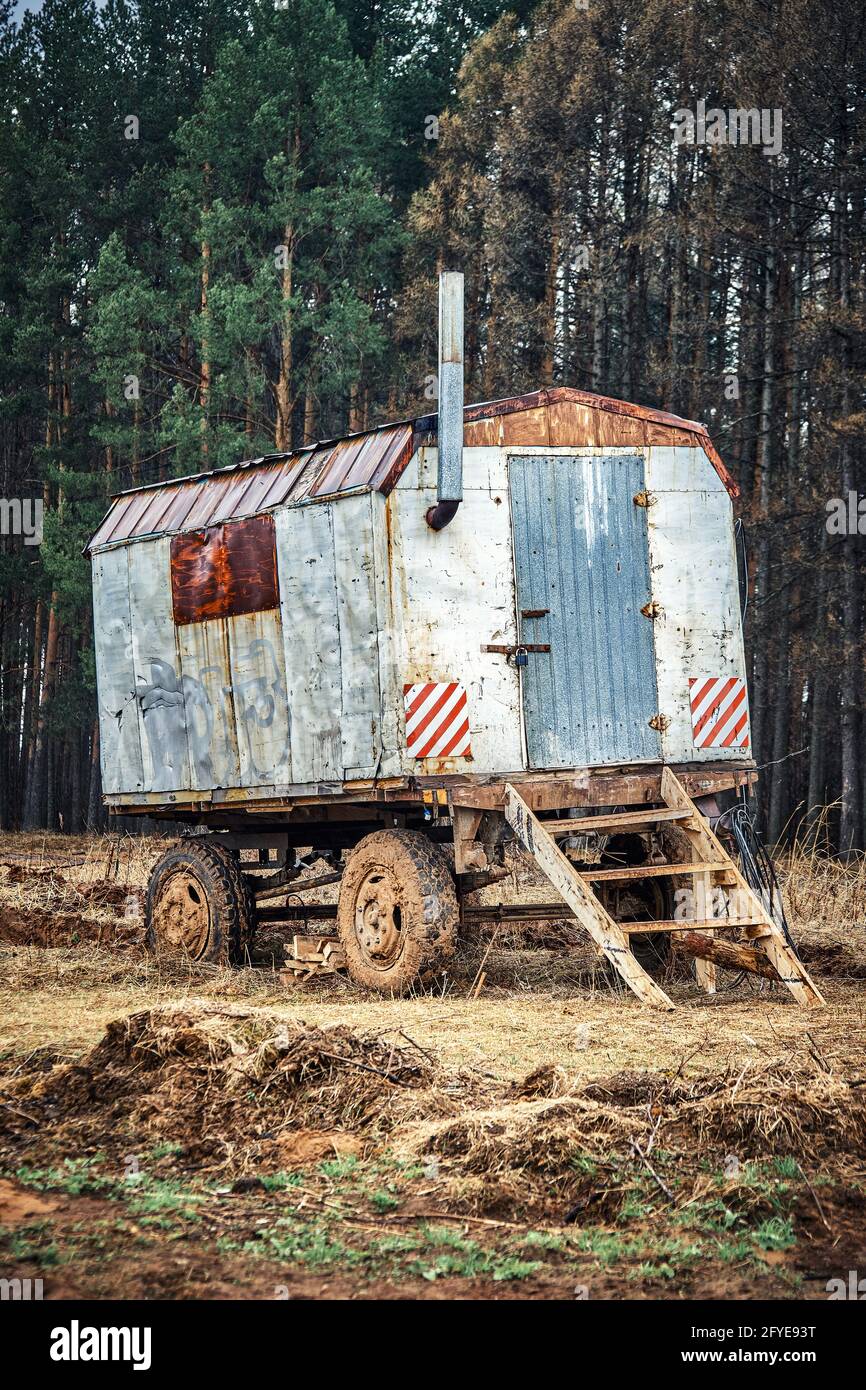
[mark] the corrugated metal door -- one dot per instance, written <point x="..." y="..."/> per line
<point x="582" y="566"/>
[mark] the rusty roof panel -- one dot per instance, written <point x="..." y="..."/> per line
<point x="329" y="481"/>
<point x="327" y="470"/>
<point x="278" y="480"/>
<point x="189" y="508"/>
<point x="137" y="506"/>
<point x="363" y="466"/>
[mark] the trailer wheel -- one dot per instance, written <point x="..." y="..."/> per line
<point x="199" y="906"/>
<point x="398" y="913"/>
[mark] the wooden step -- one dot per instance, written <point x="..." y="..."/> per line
<point x="605" y="932"/>
<point x="708" y="924"/>
<point x="617" y="820"/>
<point x="613" y="938"/>
<point x="654" y="871"/>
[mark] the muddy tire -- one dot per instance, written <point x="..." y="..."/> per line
<point x="398" y="914"/>
<point x="199" y="906"/>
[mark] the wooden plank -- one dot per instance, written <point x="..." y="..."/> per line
<point x="689" y="924"/>
<point x="705" y="970"/>
<point x="467" y="854"/>
<point x="543" y="912"/>
<point x="649" y="871"/>
<point x="605" y="932"/>
<point x="623" y="821"/>
<point x="769" y="937"/>
<point x="593" y="787"/>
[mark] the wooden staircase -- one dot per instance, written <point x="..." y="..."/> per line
<point x="710" y="867"/>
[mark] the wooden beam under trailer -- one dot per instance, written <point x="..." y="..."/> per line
<point x="624" y="821"/>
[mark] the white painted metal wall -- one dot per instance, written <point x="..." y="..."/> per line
<point x="451" y="593"/>
<point x="455" y="595"/>
<point x="693" y="565"/>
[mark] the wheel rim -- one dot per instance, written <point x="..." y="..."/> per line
<point x="379" y="918"/>
<point x="182" y="915"/>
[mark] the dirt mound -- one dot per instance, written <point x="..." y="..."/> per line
<point x="544" y="1140"/>
<point x="227" y="1087"/>
<point x="36" y="926"/>
<point x="845" y="960"/>
<point x="105" y="894"/>
<point x="28" y="873"/>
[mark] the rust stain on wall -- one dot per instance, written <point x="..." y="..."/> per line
<point x="223" y="571"/>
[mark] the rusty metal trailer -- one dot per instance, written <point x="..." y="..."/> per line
<point x="515" y="620"/>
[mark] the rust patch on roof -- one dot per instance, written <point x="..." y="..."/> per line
<point x="223" y="571"/>
<point x="627" y="423"/>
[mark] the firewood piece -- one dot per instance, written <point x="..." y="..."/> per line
<point x="728" y="953"/>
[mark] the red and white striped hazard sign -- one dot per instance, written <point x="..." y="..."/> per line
<point x="720" y="712"/>
<point x="437" y="719"/>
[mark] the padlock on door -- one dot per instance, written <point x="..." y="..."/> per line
<point x="521" y="657"/>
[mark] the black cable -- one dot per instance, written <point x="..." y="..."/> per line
<point x="756" y="865"/>
<point x="740" y="535"/>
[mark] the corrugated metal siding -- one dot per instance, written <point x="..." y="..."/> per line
<point x="257" y="678"/>
<point x="329" y="607"/>
<point x="361" y="462"/>
<point x="188" y="708"/>
<point x="354" y="561"/>
<point x="171" y="737"/>
<point x="580" y="546"/>
<point x="311" y="638"/>
<point x="203" y="653"/>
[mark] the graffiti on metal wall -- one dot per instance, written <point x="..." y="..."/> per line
<point x="180" y="722"/>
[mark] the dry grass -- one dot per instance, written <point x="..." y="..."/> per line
<point x="538" y="1003"/>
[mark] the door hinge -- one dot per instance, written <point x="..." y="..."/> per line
<point x="652" y="610"/>
<point x="659" y="722"/>
<point x="644" y="499"/>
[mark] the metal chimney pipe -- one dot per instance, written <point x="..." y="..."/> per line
<point x="449" y="483"/>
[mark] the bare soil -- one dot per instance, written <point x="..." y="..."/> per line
<point x="173" y="1131"/>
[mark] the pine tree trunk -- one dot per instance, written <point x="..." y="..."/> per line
<point x="94" y="802"/>
<point x="37" y="789"/>
<point x="283" y="387"/>
<point x="204" y="309"/>
<point x="551" y="290"/>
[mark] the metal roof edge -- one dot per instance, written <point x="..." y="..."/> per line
<point x="428" y="425"/>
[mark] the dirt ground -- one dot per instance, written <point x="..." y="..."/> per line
<point x="173" y="1131"/>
